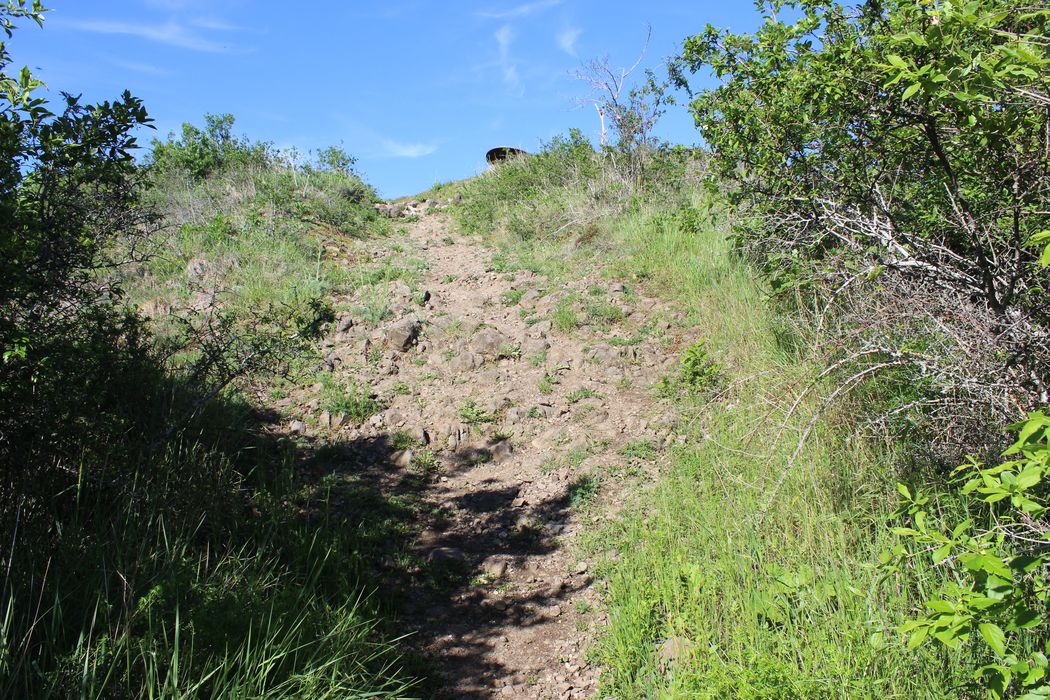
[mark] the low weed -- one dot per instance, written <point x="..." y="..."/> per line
<point x="472" y="414"/>
<point x="565" y="318"/>
<point x="351" y="400"/>
<point x="583" y="490"/>
<point x="578" y="395"/>
<point x="511" y="297"/>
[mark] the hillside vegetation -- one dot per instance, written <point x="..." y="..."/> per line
<point x="861" y="248"/>
<point x="884" y="169"/>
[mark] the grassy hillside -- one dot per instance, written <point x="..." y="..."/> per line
<point x="176" y="550"/>
<point x="754" y="567"/>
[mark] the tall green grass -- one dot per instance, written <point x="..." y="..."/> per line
<point x="184" y="594"/>
<point x="166" y="543"/>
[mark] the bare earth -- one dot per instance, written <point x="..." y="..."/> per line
<point x="519" y="473"/>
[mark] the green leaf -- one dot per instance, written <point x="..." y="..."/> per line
<point x="1029" y="477"/>
<point x="910" y="90"/>
<point x="918" y="637"/>
<point x="942" y="553"/>
<point x="994" y="636"/>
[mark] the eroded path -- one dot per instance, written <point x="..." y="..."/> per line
<point x="521" y="411"/>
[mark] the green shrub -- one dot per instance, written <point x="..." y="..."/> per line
<point x="983" y="573"/>
<point x="868" y="147"/>
<point x="201" y="152"/>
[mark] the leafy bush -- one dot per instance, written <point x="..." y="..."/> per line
<point x="890" y="159"/>
<point x="992" y="564"/>
<point x="201" y="152"/>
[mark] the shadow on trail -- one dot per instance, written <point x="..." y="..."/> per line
<point x="434" y="556"/>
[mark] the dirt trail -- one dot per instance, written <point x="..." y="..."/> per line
<point x="526" y="427"/>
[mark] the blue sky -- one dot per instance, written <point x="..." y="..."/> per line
<point x="417" y="91"/>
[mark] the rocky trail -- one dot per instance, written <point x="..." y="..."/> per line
<point x="514" y="414"/>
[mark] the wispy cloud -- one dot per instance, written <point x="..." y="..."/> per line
<point x="567" y="40"/>
<point x="519" y="10"/>
<point x="170" y="33"/>
<point x="217" y="25"/>
<point x="397" y="149"/>
<point x="138" y="67"/>
<point x="504" y="38"/>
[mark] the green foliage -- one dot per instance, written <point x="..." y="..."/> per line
<point x="698" y="370"/>
<point x="889" y="161"/>
<point x="473" y="414"/>
<point x="201" y="152"/>
<point x="353" y="401"/>
<point x="991" y="564"/>
<point x="697" y="373"/>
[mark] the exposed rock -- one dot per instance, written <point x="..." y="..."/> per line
<point x="466" y="361"/>
<point x="496" y="569"/>
<point x="489" y="342"/>
<point x="402" y="334"/>
<point x="297" y="427"/>
<point x="197" y="268"/>
<point x="344" y="323"/>
<point x="402" y="459"/>
<point x="501" y="451"/>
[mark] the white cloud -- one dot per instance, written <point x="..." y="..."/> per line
<point x="170" y="33"/>
<point x="137" y="67"/>
<point x="567" y="40"/>
<point x="520" y="10"/>
<point x="504" y="38"/>
<point x="397" y="149"/>
<point x="216" y="25"/>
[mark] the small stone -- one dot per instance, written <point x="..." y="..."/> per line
<point x="518" y="502"/>
<point x="501" y="451"/>
<point x="197" y="268"/>
<point x="617" y="288"/>
<point x="445" y="554"/>
<point x="402" y="458"/>
<point x="401" y="335"/>
<point x="344" y="323"/>
<point x="297" y="427"/>
<point x="495" y="569"/>
<point x="581" y="568"/>
<point x="543" y="327"/>
<point x="326" y="419"/>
